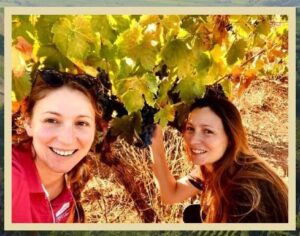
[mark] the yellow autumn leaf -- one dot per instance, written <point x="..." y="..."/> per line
<point x="218" y="53"/>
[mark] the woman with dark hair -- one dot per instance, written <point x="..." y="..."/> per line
<point x="50" y="167"/>
<point x="234" y="184"/>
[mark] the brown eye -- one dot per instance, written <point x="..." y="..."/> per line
<point x="207" y="131"/>
<point x="189" y="128"/>
<point x="82" y="123"/>
<point x="51" y="121"/>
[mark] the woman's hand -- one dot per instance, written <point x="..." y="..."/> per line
<point x="157" y="138"/>
<point x="157" y="146"/>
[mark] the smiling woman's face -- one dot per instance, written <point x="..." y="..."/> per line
<point x="63" y="129"/>
<point x="205" y="137"/>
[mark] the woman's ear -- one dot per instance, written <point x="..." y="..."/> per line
<point x="27" y="126"/>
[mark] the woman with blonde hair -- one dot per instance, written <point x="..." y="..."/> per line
<point x="233" y="183"/>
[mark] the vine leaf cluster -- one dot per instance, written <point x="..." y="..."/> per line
<point x="151" y="66"/>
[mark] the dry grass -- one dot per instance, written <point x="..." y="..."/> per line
<point x="106" y="200"/>
<point x="264" y="112"/>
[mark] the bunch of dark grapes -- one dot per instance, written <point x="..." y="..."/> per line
<point x="215" y="90"/>
<point x="104" y="78"/>
<point x="174" y="96"/>
<point x="109" y="103"/>
<point x="118" y="106"/>
<point x="148" y="126"/>
<point x="107" y="109"/>
<point x="163" y="72"/>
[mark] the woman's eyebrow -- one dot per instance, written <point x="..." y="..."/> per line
<point x="58" y="114"/>
<point x="203" y="125"/>
<point x="85" y="116"/>
<point x="51" y="112"/>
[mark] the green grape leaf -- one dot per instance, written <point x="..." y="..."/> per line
<point x="263" y="27"/>
<point x="185" y="67"/>
<point x="21" y="86"/>
<point x="164" y="115"/>
<point x="190" y="88"/>
<point x="171" y="24"/>
<point x="22" y="26"/>
<point x="151" y="83"/>
<point x="73" y="36"/>
<point x="203" y="62"/>
<point x="163" y="89"/>
<point x="101" y="24"/>
<point x="126" y="126"/>
<point x="134" y="44"/>
<point x="124" y="69"/>
<point x="119" y="23"/>
<point x="133" y="90"/>
<point x="258" y="41"/>
<point x="241" y="25"/>
<point x="174" y="52"/>
<point x="128" y="42"/>
<point x="45" y="22"/>
<point x="108" y="52"/>
<point x="237" y="50"/>
<point x="52" y="58"/>
<point x="133" y="100"/>
<point x="183" y="34"/>
<point x="215" y="71"/>
<point x="146" y="20"/>
<point x="147" y="55"/>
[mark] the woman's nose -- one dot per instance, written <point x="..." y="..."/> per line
<point x="196" y="138"/>
<point x="66" y="135"/>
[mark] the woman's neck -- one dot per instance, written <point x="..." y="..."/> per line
<point x="52" y="181"/>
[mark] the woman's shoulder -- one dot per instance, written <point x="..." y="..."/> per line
<point x="21" y="151"/>
<point x="22" y="159"/>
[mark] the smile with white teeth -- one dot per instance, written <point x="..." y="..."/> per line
<point x="198" y="151"/>
<point x="63" y="152"/>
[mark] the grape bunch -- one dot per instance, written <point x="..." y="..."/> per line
<point x="148" y="126"/>
<point x="163" y="72"/>
<point x="104" y="79"/>
<point x="108" y="103"/>
<point x="215" y="90"/>
<point x="174" y="96"/>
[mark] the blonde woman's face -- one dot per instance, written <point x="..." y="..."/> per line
<point x="205" y="137"/>
<point x="63" y="128"/>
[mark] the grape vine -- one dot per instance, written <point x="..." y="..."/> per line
<point x="151" y="67"/>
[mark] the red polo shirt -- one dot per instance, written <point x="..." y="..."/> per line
<point x="29" y="201"/>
